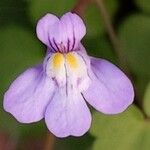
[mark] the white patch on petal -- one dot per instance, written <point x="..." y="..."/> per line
<point x="55" y="68"/>
<point x="77" y="71"/>
<point x="68" y="70"/>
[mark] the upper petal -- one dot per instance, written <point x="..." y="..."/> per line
<point x="28" y="96"/>
<point x="63" y="34"/>
<point x="110" y="92"/>
<point x="43" y="26"/>
<point x="67" y="114"/>
<point x="74" y="30"/>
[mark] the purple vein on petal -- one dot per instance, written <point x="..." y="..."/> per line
<point x="63" y="48"/>
<point x="56" y="45"/>
<point x="74" y="40"/>
<point x="51" y="44"/>
<point x="68" y="45"/>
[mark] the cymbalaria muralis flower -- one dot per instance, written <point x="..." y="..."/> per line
<point x="57" y="89"/>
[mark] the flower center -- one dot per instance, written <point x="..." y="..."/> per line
<point x="69" y="68"/>
<point x="58" y="59"/>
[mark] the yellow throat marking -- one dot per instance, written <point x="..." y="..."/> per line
<point x="59" y="58"/>
<point x="72" y="60"/>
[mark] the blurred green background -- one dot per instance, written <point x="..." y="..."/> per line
<point x="20" y="49"/>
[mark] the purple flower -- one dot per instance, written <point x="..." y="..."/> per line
<point x="57" y="89"/>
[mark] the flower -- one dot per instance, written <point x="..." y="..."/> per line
<point x="57" y="89"/>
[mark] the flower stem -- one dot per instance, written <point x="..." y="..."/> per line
<point x="49" y="142"/>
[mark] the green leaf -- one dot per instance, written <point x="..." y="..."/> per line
<point x="39" y="8"/>
<point x="134" y="35"/>
<point x="141" y="82"/>
<point x="146" y="102"/>
<point x="33" y="130"/>
<point x="75" y="143"/>
<point x="93" y="21"/>
<point x="144" y="5"/>
<point x="124" y="131"/>
<point x="100" y="47"/>
<point x="19" y="50"/>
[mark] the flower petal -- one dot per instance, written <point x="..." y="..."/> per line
<point x="28" y="96"/>
<point x="73" y="30"/>
<point x="110" y="92"/>
<point x="67" y="114"/>
<point x="43" y="26"/>
<point x="62" y="34"/>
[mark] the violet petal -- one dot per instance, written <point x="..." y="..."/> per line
<point x="28" y="96"/>
<point x="67" y="114"/>
<point x="110" y="92"/>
